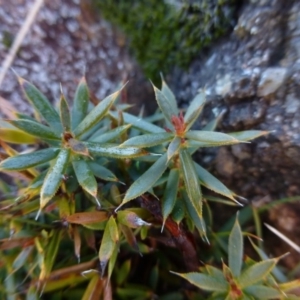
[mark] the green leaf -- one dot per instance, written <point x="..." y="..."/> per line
<point x="263" y="292"/>
<point x="41" y="104"/>
<point x="248" y="135"/>
<point x="102" y="172"/>
<point x="112" y="262"/>
<point x="165" y="104"/>
<point x="96" y="114"/>
<point x="22" y="258"/>
<point x="236" y="249"/>
<point x="114" y="152"/>
<point x="211" y="138"/>
<point x="138" y="122"/>
<point x="85" y="177"/>
<point x="169" y="95"/>
<point x="64" y="114"/>
<point x="35" y="129"/>
<point x="170" y="194"/>
<point x="54" y="176"/>
<point x="214" y="272"/>
<point x="80" y="103"/>
<point x="178" y="212"/>
<point x="78" y="147"/>
<point x="108" y="243"/>
<point x="212" y="183"/>
<point x="111" y="135"/>
<point x="50" y="254"/>
<point x="173" y="147"/>
<point x="130" y="219"/>
<point x="194" y="110"/>
<point x="147" y="180"/>
<point x="191" y="180"/>
<point x="257" y="272"/>
<point x="28" y="160"/>
<point x="148" y="140"/>
<point x="205" y="282"/>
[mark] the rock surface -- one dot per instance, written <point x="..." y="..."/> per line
<point x="254" y="76"/>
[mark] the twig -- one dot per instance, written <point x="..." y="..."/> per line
<point x="19" y="39"/>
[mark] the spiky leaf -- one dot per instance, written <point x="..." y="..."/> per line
<point x="165" y="104"/>
<point x="170" y="194"/>
<point x="111" y="135"/>
<point x="173" y="147"/>
<point x="54" y="176"/>
<point x="169" y="95"/>
<point x="205" y="282"/>
<point x="209" y="137"/>
<point x="28" y="160"/>
<point x="263" y="292"/>
<point x="96" y="114"/>
<point x="194" y="110"/>
<point x="147" y="180"/>
<point x="85" y="177"/>
<point x="248" y="135"/>
<point x="41" y="104"/>
<point x="257" y="272"/>
<point x="65" y="117"/>
<point x="211" y="182"/>
<point x="80" y="103"/>
<point x="36" y="129"/>
<point x="148" y="140"/>
<point x="102" y="172"/>
<point x="236" y="249"/>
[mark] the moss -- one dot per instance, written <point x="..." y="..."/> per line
<point x="167" y="33"/>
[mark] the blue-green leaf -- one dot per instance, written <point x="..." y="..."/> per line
<point x="65" y="117"/>
<point x="111" y="134"/>
<point x="96" y="114"/>
<point x="148" y="140"/>
<point x="54" y="177"/>
<point x="170" y="194"/>
<point x="41" y="104"/>
<point x="194" y="110"/>
<point x="205" y="282"/>
<point x="211" y="138"/>
<point x="147" y="180"/>
<point x="28" y="160"/>
<point x="80" y="103"/>
<point x="173" y="147"/>
<point x="236" y="249"/>
<point x="264" y="292"/>
<point x="35" y="129"/>
<point x="169" y="95"/>
<point x="248" y="135"/>
<point x="102" y="172"/>
<point x="212" y="183"/>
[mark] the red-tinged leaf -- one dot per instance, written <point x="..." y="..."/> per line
<point x="84" y="218"/>
<point x="130" y="219"/>
<point x="129" y="236"/>
<point x="11" y="243"/>
<point x="94" y="290"/>
<point x="77" y="242"/>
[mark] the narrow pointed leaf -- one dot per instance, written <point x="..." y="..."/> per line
<point x="212" y="183"/>
<point x="54" y="176"/>
<point x="147" y="180"/>
<point x="138" y="123"/>
<point x="16" y="136"/>
<point x="194" y="109"/>
<point x="236" y="249"/>
<point x="36" y="129"/>
<point x="41" y="104"/>
<point x="102" y="172"/>
<point x="191" y="180"/>
<point x="205" y="282"/>
<point x="94" y="289"/>
<point x="212" y="125"/>
<point x="112" y="262"/>
<point x="77" y="242"/>
<point x="257" y="272"/>
<point x="78" y="147"/>
<point x="170" y="194"/>
<point x="50" y="254"/>
<point x="214" y="272"/>
<point x="169" y="95"/>
<point x="108" y="243"/>
<point x="111" y="135"/>
<point x="22" y="258"/>
<point x="166" y="105"/>
<point x="64" y="114"/>
<point x="173" y="147"/>
<point x="178" y="212"/>
<point x="148" y="140"/>
<point x="96" y="114"/>
<point x="210" y="137"/>
<point x="115" y="152"/>
<point x="129" y="236"/>
<point x="28" y="160"/>
<point x="248" y="135"/>
<point x="80" y="103"/>
<point x="85" y="177"/>
<point x="263" y="292"/>
<point x="90" y="217"/>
